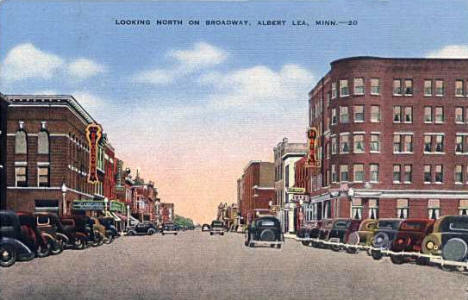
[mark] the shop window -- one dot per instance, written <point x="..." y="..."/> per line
<point x="43" y="142"/>
<point x="427" y="87"/>
<point x="358" y="86"/>
<point x="402" y="208"/>
<point x="21" y="144"/>
<point x="433" y="207"/>
<point x="21" y="176"/>
<point x="327" y="210"/>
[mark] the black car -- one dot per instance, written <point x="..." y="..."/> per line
<point x="385" y="235"/>
<point x="169" y="228"/>
<point x="264" y="231"/>
<point x="108" y="222"/>
<point x="309" y="230"/>
<point x="217" y="227"/>
<point x="205" y="227"/>
<point x="142" y="229"/>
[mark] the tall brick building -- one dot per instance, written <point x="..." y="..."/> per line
<point x="3" y="156"/>
<point x="393" y="138"/>
<point x="257" y="189"/>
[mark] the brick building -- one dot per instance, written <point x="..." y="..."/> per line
<point x="258" y="190"/>
<point x="393" y="138"/>
<point x="47" y="153"/>
<point x="3" y="153"/>
<point x="167" y="212"/>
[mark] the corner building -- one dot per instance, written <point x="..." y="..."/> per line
<point x="393" y="139"/>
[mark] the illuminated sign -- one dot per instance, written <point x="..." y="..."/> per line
<point x="93" y="135"/>
<point x="296" y="190"/>
<point x="85" y="205"/>
<point x="312" y="154"/>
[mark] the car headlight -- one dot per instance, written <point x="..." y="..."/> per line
<point x="430" y="245"/>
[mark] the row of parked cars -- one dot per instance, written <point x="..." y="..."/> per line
<point x="402" y="240"/>
<point x="24" y="235"/>
<point x="149" y="228"/>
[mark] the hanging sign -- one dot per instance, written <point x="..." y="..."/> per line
<point x="93" y="135"/>
<point x="312" y="154"/>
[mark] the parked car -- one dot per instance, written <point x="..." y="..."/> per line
<point x="108" y="222"/>
<point x="47" y="226"/>
<point x="169" y="228"/>
<point x="85" y="224"/>
<point x="323" y="232"/>
<point x="363" y="236"/>
<point x="409" y="239"/>
<point x="66" y="234"/>
<point x="449" y="239"/>
<point x="305" y="231"/>
<point x="15" y="244"/>
<point x="384" y="236"/>
<point x="265" y="231"/>
<point x="42" y="242"/>
<point x="217" y="227"/>
<point x="107" y="236"/>
<point x="145" y="228"/>
<point x="76" y="233"/>
<point x="205" y="227"/>
<point x="341" y="230"/>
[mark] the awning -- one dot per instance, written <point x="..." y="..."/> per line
<point x="116" y="218"/>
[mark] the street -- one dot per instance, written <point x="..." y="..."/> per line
<point x="195" y="265"/>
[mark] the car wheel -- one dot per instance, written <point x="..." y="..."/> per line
<point x="7" y="256"/>
<point x="79" y="243"/>
<point x="335" y="248"/>
<point x="43" y="250"/>
<point x="151" y="231"/>
<point x="397" y="259"/>
<point x="109" y="239"/>
<point x="222" y="233"/>
<point x="351" y="250"/>
<point x="57" y="246"/>
<point x="455" y="249"/>
<point x="305" y="243"/>
<point x="130" y="233"/>
<point x="376" y="254"/>
<point x="278" y="246"/>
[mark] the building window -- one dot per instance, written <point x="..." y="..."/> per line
<point x="21" y="145"/>
<point x="427" y="174"/>
<point x="439" y="114"/>
<point x="433" y="208"/>
<point x="459" y="116"/>
<point x="344" y="89"/>
<point x="333" y="118"/>
<point x="375" y="143"/>
<point x="408" y="114"/>
<point x="358" y="113"/>
<point x="43" y="176"/>
<point x="459" y="88"/>
<point x="344" y="173"/>
<point x="333" y="95"/>
<point x="334" y="178"/>
<point x="344" y="143"/>
<point x="20" y="176"/>
<point x="286" y="179"/>
<point x="408" y="175"/>
<point x="373" y="209"/>
<point x="333" y="142"/>
<point x="428" y="114"/>
<point x="375" y="86"/>
<point x="439" y="144"/>
<point x="43" y="142"/>
<point x="459" y="144"/>
<point x="396" y="114"/>
<point x="408" y="144"/>
<point x="427" y="87"/>
<point x="440" y="88"/>
<point x="358" y="143"/>
<point x="428" y="143"/>
<point x="374" y="173"/>
<point x="458" y="174"/>
<point x="402" y="208"/>
<point x="396" y="173"/>
<point x="375" y="113"/>
<point x="463" y="208"/>
<point x="358" y="86"/>
<point x="396" y="143"/>
<point x="439" y="173"/>
<point x="408" y="87"/>
<point x="344" y="115"/>
<point x="358" y="172"/>
<point x="397" y="90"/>
<point x="356" y="209"/>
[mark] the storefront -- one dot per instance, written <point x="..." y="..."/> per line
<point x="88" y="207"/>
<point x="117" y="210"/>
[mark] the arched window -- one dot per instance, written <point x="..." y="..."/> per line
<point x="43" y="142"/>
<point x="21" y="145"/>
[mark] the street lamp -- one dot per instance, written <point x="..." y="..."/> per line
<point x="64" y="201"/>
<point x="105" y="205"/>
<point x="128" y="216"/>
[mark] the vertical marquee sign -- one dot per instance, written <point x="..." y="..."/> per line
<point x="312" y="151"/>
<point x="93" y="135"/>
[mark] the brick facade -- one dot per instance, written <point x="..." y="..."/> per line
<point x="3" y="156"/>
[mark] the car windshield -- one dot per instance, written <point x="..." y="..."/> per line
<point x="266" y="223"/>
<point x="217" y="224"/>
<point x="389" y="224"/>
<point x="341" y="224"/>
<point x="456" y="226"/>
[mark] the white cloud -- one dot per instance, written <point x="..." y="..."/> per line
<point x="26" y="61"/>
<point x="83" y="68"/>
<point x="200" y="56"/>
<point x="450" y="51"/>
<point x="90" y="102"/>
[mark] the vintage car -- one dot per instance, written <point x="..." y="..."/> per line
<point x="384" y="236"/>
<point x="108" y="222"/>
<point x="76" y="232"/>
<point x="42" y="242"/>
<point x="85" y="224"/>
<point x="205" y="227"/>
<point x="341" y="230"/>
<point x="66" y="234"/>
<point x="107" y="236"/>
<point x="306" y="230"/>
<point x="448" y="239"/>
<point x="363" y="236"/>
<point x="16" y="243"/>
<point x="145" y="228"/>
<point x="409" y="238"/>
<point x="48" y="227"/>
<point x="323" y="232"/>
<point x="264" y="231"/>
<point x="217" y="227"/>
<point x="169" y="228"/>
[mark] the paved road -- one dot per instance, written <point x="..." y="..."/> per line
<point x="195" y="265"/>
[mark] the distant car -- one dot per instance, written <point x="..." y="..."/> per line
<point x="306" y="231"/>
<point x="217" y="227"/>
<point x="264" y="231"/>
<point x="386" y="233"/>
<point x="324" y="231"/>
<point x="448" y="239"/>
<point x="205" y="227"/>
<point x="169" y="228"/>
<point x="142" y="229"/>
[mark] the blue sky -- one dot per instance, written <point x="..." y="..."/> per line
<point x="195" y="104"/>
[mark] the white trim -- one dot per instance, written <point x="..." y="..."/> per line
<point x="433" y="133"/>
<point x="43" y="163"/>
<point x="344" y="133"/>
<point x="21" y="163"/>
<point x="33" y="188"/>
<point x="462" y="133"/>
<point x="359" y="132"/>
<point x="375" y="132"/>
<point x="403" y="133"/>
<point x="13" y="104"/>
